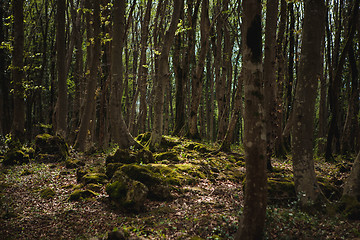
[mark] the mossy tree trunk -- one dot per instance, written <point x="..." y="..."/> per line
<point x="253" y="218"/>
<point x="306" y="185"/>
<point x="352" y="184"/>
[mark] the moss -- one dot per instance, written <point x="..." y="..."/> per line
<point x="80" y="173"/>
<point x="170" y="156"/>
<point x="94" y="187"/>
<point x="124" y="156"/>
<point x="81" y="195"/>
<point x="47" y="193"/>
<point x="171" y="175"/>
<point x="143" y="138"/>
<point x="158" y="188"/>
<point x="52" y="145"/>
<point x="330" y="191"/>
<point x="111" y="169"/>
<point x="15" y="157"/>
<point x="116" y="190"/>
<point x="191" y="169"/>
<point x="144" y="156"/>
<point x="201" y="148"/>
<point x="26" y="172"/>
<point x="97" y="178"/>
<point x="281" y="189"/>
<point x="72" y="163"/>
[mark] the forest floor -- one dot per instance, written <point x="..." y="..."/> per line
<point x="206" y="208"/>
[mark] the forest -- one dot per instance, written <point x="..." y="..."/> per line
<point x="180" y="119"/>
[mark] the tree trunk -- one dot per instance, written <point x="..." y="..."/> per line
<point x="270" y="77"/>
<point x="304" y="107"/>
<point x="253" y="218"/>
<point x="352" y="184"/>
<point x="61" y="114"/>
<point x="162" y="77"/>
<point x="197" y="75"/>
<point x="88" y="112"/>
<point x="18" y="123"/>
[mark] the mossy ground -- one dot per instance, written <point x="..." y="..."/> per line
<point x="207" y="199"/>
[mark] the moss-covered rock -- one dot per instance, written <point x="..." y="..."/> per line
<point x="158" y="189"/>
<point x="170" y="156"/>
<point x="191" y="169"/>
<point x="124" y="156"/>
<point x="80" y="173"/>
<point x="15" y="157"/>
<point x="144" y="156"/>
<point x="47" y="193"/>
<point x="94" y="187"/>
<point x="54" y="146"/>
<point x="97" y="178"/>
<point x="126" y="193"/>
<point x="199" y="147"/>
<point x="111" y="169"/>
<point x="281" y="189"/>
<point x="171" y="174"/>
<point x="79" y="194"/>
<point x="72" y="163"/>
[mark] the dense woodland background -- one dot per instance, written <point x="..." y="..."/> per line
<point x="278" y="77"/>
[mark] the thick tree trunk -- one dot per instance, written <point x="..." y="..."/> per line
<point x="88" y="112"/>
<point x="18" y="123"/>
<point x="352" y="184"/>
<point x="253" y="218"/>
<point x="61" y="114"/>
<point x="304" y="107"/>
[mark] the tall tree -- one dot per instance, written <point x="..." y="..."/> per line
<point x="119" y="130"/>
<point x="18" y="70"/>
<point x="162" y="76"/>
<point x="61" y="114"/>
<point x="304" y="106"/>
<point x="253" y="218"/>
<point x="94" y="54"/>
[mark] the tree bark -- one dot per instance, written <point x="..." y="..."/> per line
<point x="304" y="107"/>
<point x="61" y="114"/>
<point x="88" y="112"/>
<point x="162" y="77"/>
<point x="352" y="184"/>
<point x="18" y="123"/>
<point x="253" y="218"/>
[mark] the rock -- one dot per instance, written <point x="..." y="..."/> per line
<point x="144" y="156"/>
<point x="47" y="193"/>
<point x="158" y="189"/>
<point x="80" y="173"/>
<point x="170" y="156"/>
<point x="111" y="169"/>
<point x="124" y="156"/>
<point x="81" y="194"/>
<point x="126" y="193"/>
<point x="54" y="148"/>
<point x="71" y="163"/>
<point x="97" y="178"/>
<point x="94" y="187"/>
<point x="15" y="157"/>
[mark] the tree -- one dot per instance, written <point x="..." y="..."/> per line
<point x="253" y="218"/>
<point x="162" y="75"/>
<point x="18" y="123"/>
<point x="92" y="81"/>
<point x="304" y="107"/>
<point x="61" y="114"/>
<point x="119" y="130"/>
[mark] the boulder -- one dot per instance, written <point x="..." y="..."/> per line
<point x="79" y="194"/>
<point x="50" y="148"/>
<point x="97" y="178"/>
<point x="71" y="163"/>
<point x="15" y="157"/>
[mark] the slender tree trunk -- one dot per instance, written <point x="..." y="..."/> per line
<point x="61" y="114"/>
<point x="162" y="76"/>
<point x="88" y="112"/>
<point x="18" y="123"/>
<point x="270" y="77"/>
<point x="304" y="108"/>
<point x="197" y="75"/>
<point x="253" y="218"/>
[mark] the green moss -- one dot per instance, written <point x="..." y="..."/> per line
<point x="116" y="190"/>
<point x="80" y="173"/>
<point x="72" y="163"/>
<point x="94" y="187"/>
<point x="52" y="145"/>
<point x="97" y="178"/>
<point x="15" y="157"/>
<point x="170" y="156"/>
<point x="330" y="191"/>
<point x="144" y="156"/>
<point x="47" y="193"/>
<point x="111" y="169"/>
<point x="281" y="189"/>
<point x="124" y="156"/>
<point x="143" y="138"/>
<point x="81" y="195"/>
<point x="171" y="174"/>
<point x="191" y="169"/>
<point x="199" y="147"/>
